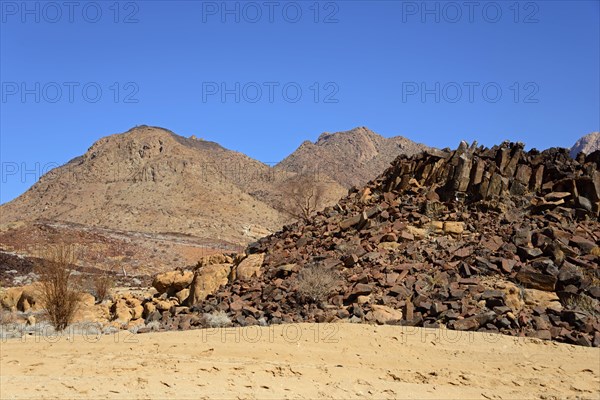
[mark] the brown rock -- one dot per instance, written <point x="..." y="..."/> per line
<point x="121" y="311"/>
<point x="384" y="314"/>
<point x="536" y="280"/>
<point x="182" y="295"/>
<point x="173" y="281"/>
<point x="584" y="244"/>
<point x="149" y="308"/>
<point x="474" y="322"/>
<point x="406" y="235"/>
<point x="349" y="222"/>
<point x="543" y="334"/>
<point x="390" y="237"/>
<point x="507" y="265"/>
<point x="31" y="298"/>
<point x="362" y="289"/>
<point x="236" y="306"/>
<point x="523" y="174"/>
<point x="163" y="305"/>
<point x="9" y="298"/>
<point x="250" y="266"/>
<point x="350" y="260"/>
<point x="454" y="227"/>
<point x="207" y="280"/>
<point x="554" y="196"/>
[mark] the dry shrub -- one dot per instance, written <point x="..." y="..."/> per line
<point x="315" y="283"/>
<point x="584" y="303"/>
<point x="102" y="285"/>
<point x="59" y="287"/>
<point x="218" y="319"/>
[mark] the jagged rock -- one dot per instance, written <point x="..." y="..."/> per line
<point x="121" y="311"/>
<point x="536" y="280"/>
<point x="183" y="294"/>
<point x="583" y="244"/>
<point x="474" y="322"/>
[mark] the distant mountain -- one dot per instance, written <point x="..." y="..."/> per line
<point x="151" y="181"/>
<point x="353" y="157"/>
<point x="588" y="144"/>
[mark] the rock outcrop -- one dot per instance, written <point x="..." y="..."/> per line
<point x="496" y="240"/>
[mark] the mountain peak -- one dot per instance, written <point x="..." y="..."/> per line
<point x="149" y="179"/>
<point x="353" y="157"/>
<point x="358" y="132"/>
<point x="587" y="144"/>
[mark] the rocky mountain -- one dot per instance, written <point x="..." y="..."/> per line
<point x="587" y="144"/>
<point x="352" y="157"/>
<point x="150" y="180"/>
<point x="476" y="239"/>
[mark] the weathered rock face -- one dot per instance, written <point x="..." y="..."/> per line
<point x="22" y="298"/>
<point x="249" y="267"/>
<point x="495" y="240"/>
<point x="207" y="280"/>
<point x="10" y="298"/>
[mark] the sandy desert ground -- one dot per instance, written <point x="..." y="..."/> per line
<point x="339" y="361"/>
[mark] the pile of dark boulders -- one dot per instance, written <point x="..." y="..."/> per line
<point x="491" y="240"/>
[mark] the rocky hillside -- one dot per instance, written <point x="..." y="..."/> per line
<point x="587" y="144"/>
<point x="151" y="180"/>
<point x="493" y="240"/>
<point x="353" y="157"/>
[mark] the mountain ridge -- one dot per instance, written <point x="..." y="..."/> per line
<point x="151" y="180"/>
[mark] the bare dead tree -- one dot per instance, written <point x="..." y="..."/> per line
<point x="302" y="196"/>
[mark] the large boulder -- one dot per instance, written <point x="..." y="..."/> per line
<point x="31" y="298"/>
<point x="127" y="308"/>
<point x="250" y="267"/>
<point x="207" y="280"/>
<point x="121" y="311"/>
<point x="9" y="298"/>
<point x="172" y="282"/>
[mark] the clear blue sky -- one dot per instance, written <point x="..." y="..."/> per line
<point x="379" y="64"/>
